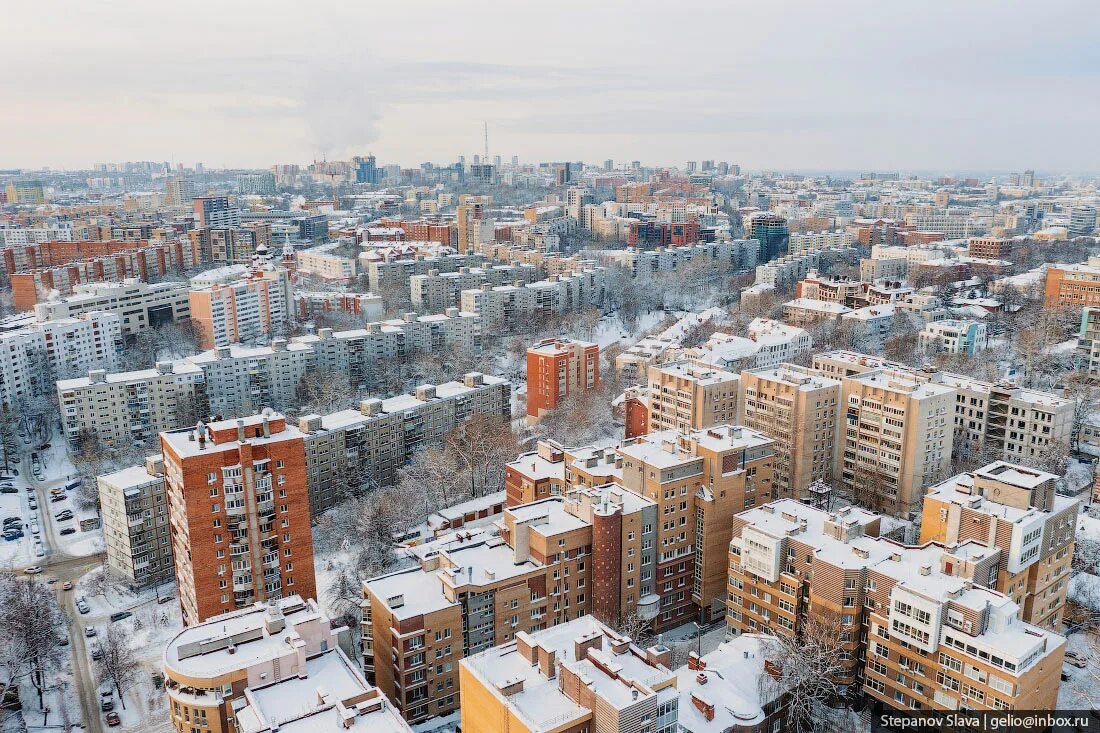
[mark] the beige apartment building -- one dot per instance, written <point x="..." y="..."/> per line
<point x="551" y="470"/>
<point x="799" y="411"/>
<point x="271" y="667"/>
<point x="897" y="439"/>
<point x="577" y="677"/>
<point x="1017" y="510"/>
<point x="540" y="565"/>
<point x="1011" y="422"/>
<point x="921" y="627"/>
<point x="699" y="480"/>
<point x="688" y="396"/>
<point x="134" y="506"/>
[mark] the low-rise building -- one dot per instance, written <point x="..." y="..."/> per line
<point x="267" y="668"/>
<point x="954" y="336"/>
<point x="808" y="312"/>
<point x="579" y="676"/>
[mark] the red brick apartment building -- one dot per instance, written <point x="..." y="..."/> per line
<point x="239" y="512"/>
<point x="555" y="369"/>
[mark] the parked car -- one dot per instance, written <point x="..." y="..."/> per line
<point x="120" y="615"/>
<point x="113" y="719"/>
<point x="83" y="606"/>
<point x="12" y="520"/>
<point x="1069" y="654"/>
<point x="67" y="531"/>
<point x="57" y="491"/>
<point x="1065" y="677"/>
<point x="61" y="497"/>
<point x="90" y="632"/>
<point x="1076" y="663"/>
<point x="13" y="535"/>
<point x="32" y="504"/>
<point x="62" y="516"/>
<point x="106" y="704"/>
<point x="39" y="551"/>
<point x="32" y="570"/>
<point x="164" y="599"/>
<point x="67" y="585"/>
<point x="97" y="654"/>
<point x="63" y="640"/>
<point x="8" y="490"/>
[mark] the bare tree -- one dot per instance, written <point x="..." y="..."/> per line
<point x="809" y="665"/>
<point x="323" y="391"/>
<point x="29" y="644"/>
<point x="482" y="445"/>
<point x="9" y="437"/>
<point x="1086" y="399"/>
<point x="119" y="664"/>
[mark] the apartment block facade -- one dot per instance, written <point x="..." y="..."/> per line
<point x="373" y="442"/>
<point x="557" y="368"/>
<point x="134" y="506"/>
<point x="538" y="567"/>
<point x="392" y="272"/>
<point x="580" y="676"/>
<point x="897" y="439"/>
<point x="799" y="410"/>
<point x="687" y="396"/>
<point x="131" y="408"/>
<point x="509" y="306"/>
<point x="246" y="310"/>
<point x="699" y="479"/>
<point x="1017" y="510"/>
<point x="920" y="626"/>
<point x="239" y="511"/>
<point x="1012" y="422"/>
<point x="140" y="305"/>
<point x="439" y="290"/>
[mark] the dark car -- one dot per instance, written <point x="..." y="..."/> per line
<point x="67" y="530"/>
<point x="10" y="536"/>
<point x="8" y="490"/>
<point x="113" y="719"/>
<point x="97" y="654"/>
<point x="120" y="615"/>
<point x="60" y="497"/>
<point x="107" y="704"/>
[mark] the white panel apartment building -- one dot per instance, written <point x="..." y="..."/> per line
<point x="373" y="441"/>
<point x="326" y="264"/>
<point x="817" y="241"/>
<point x="508" y="306"/>
<point x="241" y="380"/>
<point x="135" y="523"/>
<point x="131" y="408"/>
<point x="33" y="357"/>
<point x="395" y="273"/>
<point x="141" y="305"/>
<point x="734" y="255"/>
<point x="436" y="290"/>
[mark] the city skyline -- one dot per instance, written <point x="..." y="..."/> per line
<point x="835" y="87"/>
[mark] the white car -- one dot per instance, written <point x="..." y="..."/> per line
<point x="32" y="570"/>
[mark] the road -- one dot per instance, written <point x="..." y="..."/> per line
<point x="67" y="568"/>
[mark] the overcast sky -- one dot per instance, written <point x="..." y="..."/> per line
<point x="803" y="84"/>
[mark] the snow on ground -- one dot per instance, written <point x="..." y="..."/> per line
<point x="1082" y="690"/>
<point x="1088" y="526"/>
<point x="149" y="629"/>
<point x="20" y="552"/>
<point x="1079" y="475"/>
<point x="61" y="700"/>
<point x="444" y="724"/>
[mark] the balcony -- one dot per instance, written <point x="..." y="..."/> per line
<point x="649" y="606"/>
